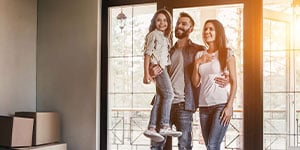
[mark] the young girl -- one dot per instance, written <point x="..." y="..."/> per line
<point x="156" y="52"/>
<point x="214" y="101"/>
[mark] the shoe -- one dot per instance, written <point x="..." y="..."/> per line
<point x="169" y="132"/>
<point x="154" y="136"/>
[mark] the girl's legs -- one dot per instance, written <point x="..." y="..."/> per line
<point x="151" y="132"/>
<point x="213" y="131"/>
<point x="154" y="112"/>
<point x="165" y="90"/>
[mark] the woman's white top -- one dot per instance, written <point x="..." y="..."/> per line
<point x="210" y="92"/>
<point x="157" y="46"/>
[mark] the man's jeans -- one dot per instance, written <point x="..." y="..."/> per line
<point x="183" y="122"/>
<point x="213" y="131"/>
<point x="165" y="91"/>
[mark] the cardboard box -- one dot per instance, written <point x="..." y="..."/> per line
<point x="58" y="146"/>
<point x="46" y="128"/>
<point x="15" y="131"/>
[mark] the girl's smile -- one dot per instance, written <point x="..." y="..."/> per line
<point x="161" y="22"/>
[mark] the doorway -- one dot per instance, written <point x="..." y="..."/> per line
<point x="128" y="99"/>
<point x="281" y="74"/>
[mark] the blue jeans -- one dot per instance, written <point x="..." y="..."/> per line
<point x="162" y="105"/>
<point x="182" y="120"/>
<point x="212" y="130"/>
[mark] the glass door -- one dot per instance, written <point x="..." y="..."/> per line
<point x="231" y="16"/>
<point x="129" y="99"/>
<point x="281" y="74"/>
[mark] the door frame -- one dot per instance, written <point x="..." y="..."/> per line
<point x="253" y="64"/>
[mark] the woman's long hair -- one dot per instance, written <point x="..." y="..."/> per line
<point x="220" y="41"/>
<point x="152" y="26"/>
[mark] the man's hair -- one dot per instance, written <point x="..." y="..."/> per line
<point x="184" y="14"/>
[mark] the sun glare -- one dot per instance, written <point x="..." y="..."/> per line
<point x="297" y="28"/>
<point x="297" y="32"/>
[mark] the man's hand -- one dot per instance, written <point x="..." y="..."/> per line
<point x="155" y="70"/>
<point x="222" y="81"/>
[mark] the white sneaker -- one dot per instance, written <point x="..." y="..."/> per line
<point x="169" y="132"/>
<point x="154" y="136"/>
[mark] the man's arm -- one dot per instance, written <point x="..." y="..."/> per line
<point x="222" y="81"/>
<point x="155" y="70"/>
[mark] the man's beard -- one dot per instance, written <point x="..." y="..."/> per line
<point x="181" y="35"/>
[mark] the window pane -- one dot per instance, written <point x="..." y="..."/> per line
<point x="279" y="73"/>
<point x="120" y="75"/>
<point x="138" y="86"/>
<point x="129" y="99"/>
<point x="297" y="74"/>
<point x="275" y="71"/>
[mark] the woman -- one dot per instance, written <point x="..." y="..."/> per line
<point x="215" y="102"/>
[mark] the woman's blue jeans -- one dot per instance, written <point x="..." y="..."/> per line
<point x="213" y="131"/>
<point x="165" y="90"/>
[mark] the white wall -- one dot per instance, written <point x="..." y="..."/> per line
<point x="67" y="67"/>
<point x="48" y="62"/>
<point x="17" y="56"/>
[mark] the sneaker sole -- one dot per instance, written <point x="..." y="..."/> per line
<point x="155" y="138"/>
<point x="171" y="134"/>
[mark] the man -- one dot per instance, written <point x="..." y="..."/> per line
<point x="185" y="102"/>
<point x="180" y="71"/>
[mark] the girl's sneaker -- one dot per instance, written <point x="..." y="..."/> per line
<point x="169" y="132"/>
<point x="154" y="136"/>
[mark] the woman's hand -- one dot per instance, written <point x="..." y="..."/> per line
<point x="205" y="58"/>
<point x="226" y="115"/>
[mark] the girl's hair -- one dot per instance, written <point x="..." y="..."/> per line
<point x="220" y="41"/>
<point x="152" y="26"/>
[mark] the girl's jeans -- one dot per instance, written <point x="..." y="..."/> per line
<point x="213" y="131"/>
<point x="165" y="91"/>
<point x="182" y="120"/>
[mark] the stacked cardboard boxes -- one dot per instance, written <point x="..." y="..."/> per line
<point x="46" y="128"/>
<point x="15" y="131"/>
<point x="54" y="146"/>
<point x="42" y="131"/>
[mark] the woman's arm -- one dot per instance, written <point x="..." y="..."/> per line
<point x="233" y="81"/>
<point x="227" y="112"/>
<point x="196" y="75"/>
